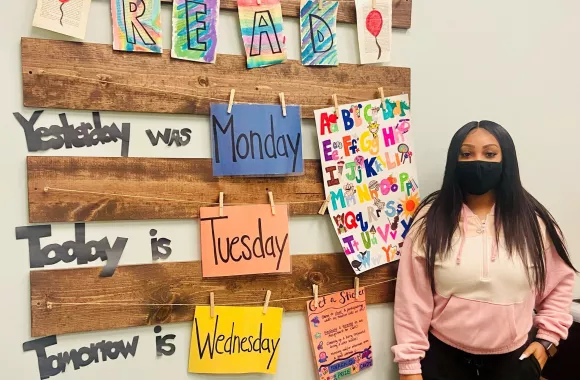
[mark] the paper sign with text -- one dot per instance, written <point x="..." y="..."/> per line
<point x="339" y="331"/>
<point x="370" y="177"/>
<point x="256" y="139"/>
<point x="235" y="340"/>
<point x="245" y="240"/>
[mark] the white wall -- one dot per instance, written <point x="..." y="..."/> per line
<point x="514" y="62"/>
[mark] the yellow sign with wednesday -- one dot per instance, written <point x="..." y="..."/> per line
<point x="235" y="340"/>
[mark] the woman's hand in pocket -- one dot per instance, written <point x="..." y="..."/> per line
<point x="538" y="351"/>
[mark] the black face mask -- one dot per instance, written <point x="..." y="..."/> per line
<point x="478" y="177"/>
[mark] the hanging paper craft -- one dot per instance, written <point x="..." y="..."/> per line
<point x="262" y="32"/>
<point x="235" y="340"/>
<point x="67" y="17"/>
<point x="137" y="25"/>
<point x="195" y="30"/>
<point x="374" y="28"/>
<point x="245" y="240"/>
<point x="318" y="33"/>
<point x="369" y="177"/>
<point x="339" y="332"/>
<point x="256" y="139"/>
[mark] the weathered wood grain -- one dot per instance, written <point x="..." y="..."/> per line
<point x="181" y="283"/>
<point x="346" y="10"/>
<point x="178" y="180"/>
<point x="73" y="75"/>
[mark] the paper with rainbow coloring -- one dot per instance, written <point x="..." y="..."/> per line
<point x="374" y="28"/>
<point x="262" y="32"/>
<point x="318" y="33"/>
<point x="195" y="25"/>
<point x="137" y="25"/>
<point x="370" y="177"/>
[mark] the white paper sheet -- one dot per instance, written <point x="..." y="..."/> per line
<point x="67" y="17"/>
<point x="374" y="28"/>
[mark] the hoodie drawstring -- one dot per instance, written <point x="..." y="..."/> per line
<point x="463" y="235"/>
<point x="494" y="249"/>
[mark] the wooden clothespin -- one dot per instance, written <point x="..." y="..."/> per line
<point x="266" y="302"/>
<point x="211" y="305"/>
<point x="382" y="93"/>
<point x="221" y="203"/>
<point x="315" y="291"/>
<point x="324" y="206"/>
<point x="283" y="102"/>
<point x="271" y="198"/>
<point x="335" y="100"/>
<point x="374" y="4"/>
<point x="356" y="287"/>
<point x="320" y="5"/>
<point x="231" y="103"/>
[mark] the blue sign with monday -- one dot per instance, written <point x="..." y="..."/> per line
<point x="255" y="140"/>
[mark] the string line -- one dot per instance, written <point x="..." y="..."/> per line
<point x="46" y="189"/>
<point x="171" y="89"/>
<point x="120" y="303"/>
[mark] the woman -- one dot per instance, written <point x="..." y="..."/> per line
<point x="466" y="290"/>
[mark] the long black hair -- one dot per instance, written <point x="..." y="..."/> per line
<point x="516" y="212"/>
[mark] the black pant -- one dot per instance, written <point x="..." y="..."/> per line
<point x="443" y="362"/>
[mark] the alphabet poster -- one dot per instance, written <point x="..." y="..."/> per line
<point x="374" y="28"/>
<point x="318" y="33"/>
<point x="195" y="30"/>
<point x="256" y="139"/>
<point x="245" y="240"/>
<point x="137" y="25"/>
<point x="339" y="332"/>
<point x="262" y="32"/>
<point x="235" y="340"/>
<point x="369" y="176"/>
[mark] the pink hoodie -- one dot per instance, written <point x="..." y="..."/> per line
<point x="483" y="303"/>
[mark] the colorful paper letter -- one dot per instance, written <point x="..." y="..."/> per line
<point x="137" y="25"/>
<point x="369" y="177"/>
<point x="245" y="240"/>
<point x="256" y="139"/>
<point x="262" y="32"/>
<point x="235" y="340"/>
<point x="318" y="33"/>
<point x="339" y="332"/>
<point x="374" y="30"/>
<point x="195" y="30"/>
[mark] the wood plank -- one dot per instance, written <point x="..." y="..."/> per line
<point x="73" y="75"/>
<point x="181" y="283"/>
<point x="346" y="10"/>
<point x="178" y="180"/>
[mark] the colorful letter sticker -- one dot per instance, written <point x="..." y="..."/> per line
<point x="235" y="340"/>
<point x="374" y="28"/>
<point x="369" y="176"/>
<point x="339" y="332"/>
<point x="318" y="33"/>
<point x="262" y="32"/>
<point x="137" y="25"/>
<point x="195" y="25"/>
<point x="244" y="240"/>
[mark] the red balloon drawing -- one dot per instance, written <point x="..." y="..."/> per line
<point x="62" y="3"/>
<point x="374" y="26"/>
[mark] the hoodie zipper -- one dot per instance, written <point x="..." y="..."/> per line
<point x="483" y="232"/>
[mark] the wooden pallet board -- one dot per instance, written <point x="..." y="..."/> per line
<point x="346" y="10"/>
<point x="181" y="283"/>
<point x="85" y="76"/>
<point x="175" y="180"/>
